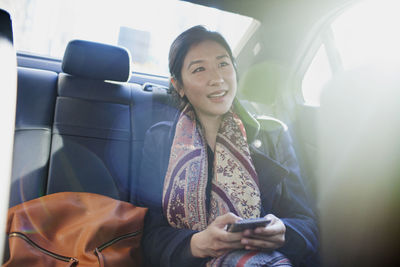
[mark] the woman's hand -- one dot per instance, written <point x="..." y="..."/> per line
<point x="214" y="241"/>
<point x="270" y="237"/>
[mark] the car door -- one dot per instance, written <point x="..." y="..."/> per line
<point x="8" y="79"/>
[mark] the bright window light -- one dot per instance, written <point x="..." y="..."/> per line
<point x="368" y="35"/>
<point x="315" y="78"/>
<point x="146" y="28"/>
<point x="365" y="36"/>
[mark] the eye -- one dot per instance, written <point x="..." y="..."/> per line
<point x="198" y="69"/>
<point x="223" y="64"/>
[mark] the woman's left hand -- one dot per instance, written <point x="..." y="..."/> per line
<point x="270" y="237"/>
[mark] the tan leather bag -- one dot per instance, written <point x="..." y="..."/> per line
<point x="75" y="229"/>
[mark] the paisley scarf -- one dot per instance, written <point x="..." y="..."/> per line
<point x="234" y="184"/>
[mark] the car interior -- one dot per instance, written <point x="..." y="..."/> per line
<point x="81" y="120"/>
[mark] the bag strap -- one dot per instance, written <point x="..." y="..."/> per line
<point x="100" y="257"/>
<point x="72" y="262"/>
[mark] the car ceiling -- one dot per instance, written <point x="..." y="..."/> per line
<point x="257" y="8"/>
<point x="237" y="6"/>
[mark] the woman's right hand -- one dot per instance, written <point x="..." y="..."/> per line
<point x="214" y="241"/>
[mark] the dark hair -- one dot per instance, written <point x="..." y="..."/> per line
<point x="181" y="46"/>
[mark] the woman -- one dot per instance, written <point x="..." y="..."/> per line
<point x="199" y="174"/>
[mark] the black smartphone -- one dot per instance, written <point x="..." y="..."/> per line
<point x="252" y="223"/>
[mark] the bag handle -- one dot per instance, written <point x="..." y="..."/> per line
<point x="72" y="262"/>
<point x="99" y="256"/>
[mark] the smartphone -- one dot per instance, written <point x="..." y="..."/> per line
<point x="252" y="223"/>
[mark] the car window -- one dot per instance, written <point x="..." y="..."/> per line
<point x="316" y="76"/>
<point x="145" y="28"/>
<point x="368" y="34"/>
<point x="364" y="35"/>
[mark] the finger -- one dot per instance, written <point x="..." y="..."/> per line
<point x="273" y="238"/>
<point x="226" y="219"/>
<point x="264" y="232"/>
<point x="276" y="230"/>
<point x="261" y="244"/>
<point x="229" y="246"/>
<point x="271" y="229"/>
<point x="271" y="217"/>
<point x="230" y="237"/>
<point x="248" y="232"/>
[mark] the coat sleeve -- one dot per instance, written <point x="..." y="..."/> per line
<point x="162" y="244"/>
<point x="293" y="204"/>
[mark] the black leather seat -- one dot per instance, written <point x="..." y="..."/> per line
<point x="33" y="122"/>
<point x="92" y="130"/>
<point x="82" y="130"/>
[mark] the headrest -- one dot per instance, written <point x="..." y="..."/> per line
<point x="97" y="61"/>
<point x="261" y="82"/>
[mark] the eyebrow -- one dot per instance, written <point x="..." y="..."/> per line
<point x="200" y="61"/>
<point x="194" y="62"/>
<point x="222" y="56"/>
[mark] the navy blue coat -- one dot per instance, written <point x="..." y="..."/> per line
<point x="283" y="194"/>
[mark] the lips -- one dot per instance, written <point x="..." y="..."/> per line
<point x="217" y="94"/>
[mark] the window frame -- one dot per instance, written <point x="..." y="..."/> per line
<point x="320" y="34"/>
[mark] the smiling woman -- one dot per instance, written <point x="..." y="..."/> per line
<point x="200" y="172"/>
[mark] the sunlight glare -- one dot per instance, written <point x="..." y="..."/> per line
<point x="368" y="34"/>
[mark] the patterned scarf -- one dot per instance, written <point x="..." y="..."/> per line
<point x="235" y="186"/>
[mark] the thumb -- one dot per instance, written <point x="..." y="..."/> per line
<point x="226" y="219"/>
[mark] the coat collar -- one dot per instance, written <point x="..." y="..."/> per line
<point x="251" y="125"/>
<point x="270" y="175"/>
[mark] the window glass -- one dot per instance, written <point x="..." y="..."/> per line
<point x="316" y="76"/>
<point x="365" y="35"/>
<point x="368" y="34"/>
<point x="146" y="28"/>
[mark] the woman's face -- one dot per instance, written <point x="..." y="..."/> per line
<point x="209" y="79"/>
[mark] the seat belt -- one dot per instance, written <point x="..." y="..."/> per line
<point x="159" y="97"/>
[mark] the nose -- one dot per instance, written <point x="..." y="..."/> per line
<point x="215" y="78"/>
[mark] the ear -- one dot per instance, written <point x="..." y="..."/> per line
<point x="175" y="83"/>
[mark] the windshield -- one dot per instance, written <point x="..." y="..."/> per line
<point x="145" y="28"/>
